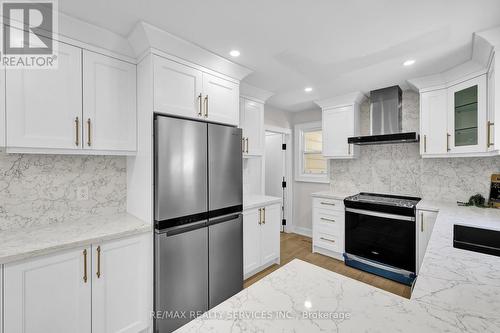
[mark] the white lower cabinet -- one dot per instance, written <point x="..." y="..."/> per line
<point x="328" y="223"/>
<point x="425" y="224"/>
<point x="81" y="290"/>
<point x="261" y="238"/>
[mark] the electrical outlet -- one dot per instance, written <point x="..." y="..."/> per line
<point x="82" y="193"/>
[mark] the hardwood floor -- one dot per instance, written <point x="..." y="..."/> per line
<point x="297" y="246"/>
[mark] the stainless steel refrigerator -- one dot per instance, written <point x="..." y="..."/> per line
<point x="198" y="221"/>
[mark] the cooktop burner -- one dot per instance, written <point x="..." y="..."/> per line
<point x="384" y="199"/>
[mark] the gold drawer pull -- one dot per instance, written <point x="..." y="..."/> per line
<point x="200" y="100"/>
<point x="77" y="131"/>
<point x="327" y="203"/>
<point x="264" y="215"/>
<point x="425" y="143"/>
<point x="89" y="138"/>
<point x="328" y="220"/>
<point x="98" y="262"/>
<point x="328" y="240"/>
<point x="489" y="144"/>
<point x="85" y="266"/>
<point x="448" y="142"/>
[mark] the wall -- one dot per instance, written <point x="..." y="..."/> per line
<point x="276" y="117"/>
<point x="41" y="189"/>
<point x="399" y="169"/>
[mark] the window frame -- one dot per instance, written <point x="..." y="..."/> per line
<point x="300" y="176"/>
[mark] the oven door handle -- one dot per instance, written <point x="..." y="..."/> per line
<point x="383" y="215"/>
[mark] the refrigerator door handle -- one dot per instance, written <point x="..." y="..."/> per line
<point x="185" y="228"/>
<point x="223" y="218"/>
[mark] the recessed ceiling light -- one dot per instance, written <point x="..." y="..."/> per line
<point x="308" y="89"/>
<point x="234" y="53"/>
<point x="308" y="304"/>
<point x="409" y="62"/>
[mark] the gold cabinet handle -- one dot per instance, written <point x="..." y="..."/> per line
<point x="206" y="106"/>
<point x="328" y="220"/>
<point x="328" y="240"/>
<point x="488" y="130"/>
<point x="246" y="145"/>
<point x="89" y="138"/>
<point x="260" y="216"/>
<point x="264" y="215"/>
<point x="448" y="142"/>
<point x="98" y="262"/>
<point x="85" y="265"/>
<point x="243" y="145"/>
<point x="77" y="131"/>
<point x="425" y="143"/>
<point x="421" y="222"/>
<point x="348" y="149"/>
<point x="200" y="105"/>
<point x="327" y="203"/>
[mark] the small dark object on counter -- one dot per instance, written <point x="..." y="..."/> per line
<point x="476" y="200"/>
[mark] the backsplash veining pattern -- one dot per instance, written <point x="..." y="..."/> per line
<point x="399" y="169"/>
<point x="41" y="189"/>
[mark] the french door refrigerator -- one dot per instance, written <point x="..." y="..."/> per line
<point x="198" y="221"/>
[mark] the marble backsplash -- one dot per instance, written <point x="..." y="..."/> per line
<point x="41" y="189"/>
<point x="399" y="169"/>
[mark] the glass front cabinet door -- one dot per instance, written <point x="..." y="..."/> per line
<point x="467" y="118"/>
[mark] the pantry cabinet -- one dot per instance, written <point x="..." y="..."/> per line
<point x="261" y="238"/>
<point x="49" y="294"/>
<point x="103" y="287"/>
<point x="190" y="92"/>
<point x="44" y="107"/>
<point x="252" y="124"/>
<point x="109" y="103"/>
<point x="425" y="225"/>
<point x="87" y="105"/>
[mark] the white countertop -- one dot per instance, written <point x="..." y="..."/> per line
<point x="24" y="243"/>
<point x="253" y="200"/>
<point x="456" y="291"/>
<point x="331" y="195"/>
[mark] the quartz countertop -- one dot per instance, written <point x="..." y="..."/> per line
<point x="24" y="243"/>
<point x="456" y="291"/>
<point x="331" y="195"/>
<point x="254" y="200"/>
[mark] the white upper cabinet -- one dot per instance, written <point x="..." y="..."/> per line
<point x="433" y="122"/>
<point x="177" y="89"/>
<point x="467" y="116"/>
<point x="120" y="300"/>
<point x="340" y="121"/>
<point x="44" y="107"/>
<point x="492" y="131"/>
<point x="221" y="99"/>
<point x="252" y="124"/>
<point x="109" y="103"/>
<point x="49" y="294"/>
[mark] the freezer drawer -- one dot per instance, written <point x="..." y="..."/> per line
<point x="181" y="284"/>
<point x="224" y="167"/>
<point x="180" y="169"/>
<point x="225" y="244"/>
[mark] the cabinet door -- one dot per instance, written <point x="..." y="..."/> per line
<point x="221" y="101"/>
<point x="44" y="107"/>
<point x="467" y="116"/>
<point x="177" y="88"/>
<point x="109" y="103"/>
<point x="338" y="125"/>
<point x="433" y="122"/>
<point x="251" y="240"/>
<point x="49" y="294"/>
<point x="3" y="128"/>
<point x="425" y="225"/>
<point x="252" y="123"/>
<point x="492" y="135"/>
<point x="270" y="233"/>
<point x="121" y="285"/>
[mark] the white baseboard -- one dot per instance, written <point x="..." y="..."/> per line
<point x="302" y="231"/>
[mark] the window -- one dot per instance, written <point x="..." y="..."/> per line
<point x="310" y="165"/>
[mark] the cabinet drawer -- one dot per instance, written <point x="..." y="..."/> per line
<point x="330" y="222"/>
<point x="329" y="204"/>
<point x="327" y="241"/>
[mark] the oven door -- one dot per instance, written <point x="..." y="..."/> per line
<point x="385" y="238"/>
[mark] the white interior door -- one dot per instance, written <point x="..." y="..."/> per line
<point x="109" y="103"/>
<point x="49" y="294"/>
<point x="270" y="233"/>
<point x="221" y="101"/>
<point x="43" y="105"/>
<point x="121" y="285"/>
<point x="177" y="88"/>
<point x="338" y="125"/>
<point x="251" y="240"/>
<point x="433" y="122"/>
<point x="274" y="164"/>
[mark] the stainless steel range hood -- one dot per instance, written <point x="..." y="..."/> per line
<point x="385" y="119"/>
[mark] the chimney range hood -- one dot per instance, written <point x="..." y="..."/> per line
<point x="385" y="119"/>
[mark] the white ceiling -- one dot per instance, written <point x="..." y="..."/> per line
<point x="334" y="46"/>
